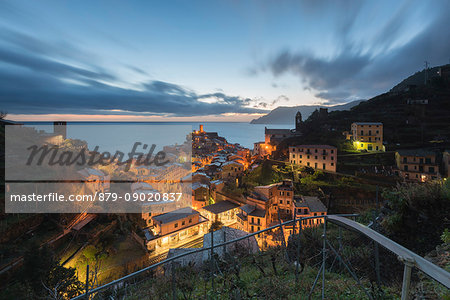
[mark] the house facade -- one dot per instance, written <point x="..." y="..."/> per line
<point x="172" y="228"/>
<point x="320" y="157"/>
<point x="367" y="136"/>
<point x="417" y="165"/>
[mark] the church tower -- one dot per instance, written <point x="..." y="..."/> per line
<point x="298" y="122"/>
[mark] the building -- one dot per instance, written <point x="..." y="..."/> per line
<point x="200" y="195"/>
<point x="266" y="205"/>
<point x="417" y="165"/>
<point x="232" y="169"/>
<point x="367" y="136"/>
<point x="272" y="137"/>
<point x="223" y="211"/>
<point x="95" y="180"/>
<point x="175" y="227"/>
<point x="251" y="218"/>
<point x="321" y="157"/>
<point x="307" y="206"/>
<point x="446" y="162"/>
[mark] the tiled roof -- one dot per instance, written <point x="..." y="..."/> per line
<point x="415" y="152"/>
<point x="220" y="207"/>
<point x="175" y="215"/>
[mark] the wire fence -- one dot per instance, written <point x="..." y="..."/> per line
<point x="323" y="257"/>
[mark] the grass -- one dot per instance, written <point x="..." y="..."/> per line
<point x="121" y="258"/>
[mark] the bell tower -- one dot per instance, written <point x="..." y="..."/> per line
<point x="298" y="122"/>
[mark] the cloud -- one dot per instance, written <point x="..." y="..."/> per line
<point x="39" y="78"/>
<point x="363" y="70"/>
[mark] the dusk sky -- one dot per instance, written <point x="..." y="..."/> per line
<point x="208" y="60"/>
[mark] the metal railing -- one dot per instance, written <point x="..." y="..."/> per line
<point x="408" y="258"/>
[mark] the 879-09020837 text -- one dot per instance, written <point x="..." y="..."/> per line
<point x="98" y="196"/>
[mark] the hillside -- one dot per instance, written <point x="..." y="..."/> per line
<point x="405" y="123"/>
<point x="286" y="114"/>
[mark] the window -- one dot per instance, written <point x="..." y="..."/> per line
<point x="315" y="165"/>
<point x="293" y="155"/>
<point x="175" y="225"/>
<point x="405" y="168"/>
<point x="183" y="223"/>
<point x="431" y="169"/>
<point x="332" y="151"/>
<point x="323" y="158"/>
<point x="300" y="156"/>
<point x="253" y="220"/>
<point x="404" y="160"/>
<point x="315" y="150"/>
<point x="287" y="202"/>
<point x="305" y="211"/>
<point x="332" y="158"/>
<point x="281" y="201"/>
<point x="253" y="228"/>
<point x="324" y="166"/>
<point x="190" y="220"/>
<point x="293" y="149"/>
<point x="362" y="132"/>
<point x="307" y="163"/>
<point x="332" y="164"/>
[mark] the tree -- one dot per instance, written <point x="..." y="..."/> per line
<point x="216" y="225"/>
<point x="45" y="276"/>
<point x="417" y="214"/>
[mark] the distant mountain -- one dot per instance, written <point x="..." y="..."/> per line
<point x="286" y="115"/>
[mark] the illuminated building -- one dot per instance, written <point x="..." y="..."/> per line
<point x="367" y="136"/>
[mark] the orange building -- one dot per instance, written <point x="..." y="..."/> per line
<point x="307" y="206"/>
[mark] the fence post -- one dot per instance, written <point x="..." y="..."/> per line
<point x="212" y="262"/>
<point x="324" y="254"/>
<point x="174" y="288"/>
<point x="224" y="240"/>
<point x="409" y="263"/>
<point x="87" y="281"/>
<point x="298" y="248"/>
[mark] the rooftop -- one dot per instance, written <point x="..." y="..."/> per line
<point x="221" y="207"/>
<point x="368" y="123"/>
<point x="277" y="131"/>
<point x="313" y="203"/>
<point x="314" y="146"/>
<point x="416" y="152"/>
<point x="175" y="215"/>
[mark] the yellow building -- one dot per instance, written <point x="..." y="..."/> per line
<point x="367" y="136"/>
<point x="321" y="157"/>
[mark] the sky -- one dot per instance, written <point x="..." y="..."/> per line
<point x="208" y="60"/>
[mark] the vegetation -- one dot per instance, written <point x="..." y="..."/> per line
<point x="42" y="276"/>
<point x="417" y="214"/>
<point x="265" y="275"/>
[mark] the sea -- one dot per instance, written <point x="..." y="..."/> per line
<point x="118" y="136"/>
